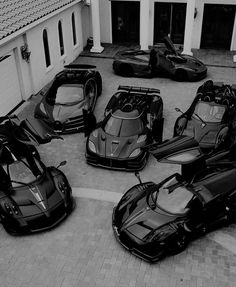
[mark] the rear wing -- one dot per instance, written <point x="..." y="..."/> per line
<point x="141" y="90"/>
<point x="80" y="67"/>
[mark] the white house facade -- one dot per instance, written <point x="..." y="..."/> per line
<point x="35" y="48"/>
<point x="194" y="23"/>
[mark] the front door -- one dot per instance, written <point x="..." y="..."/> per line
<point x="125" y="22"/>
<point x="169" y="20"/>
<point x="217" y="27"/>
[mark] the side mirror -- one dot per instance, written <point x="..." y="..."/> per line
<point x="138" y="177"/>
<point x="178" y="110"/>
<point x="64" y="162"/>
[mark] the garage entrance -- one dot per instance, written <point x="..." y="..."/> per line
<point x="125" y="22"/>
<point x="217" y="27"/>
<point x="10" y="94"/>
<point x="169" y="19"/>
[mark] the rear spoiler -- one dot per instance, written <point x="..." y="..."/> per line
<point x="80" y="67"/>
<point x="141" y="90"/>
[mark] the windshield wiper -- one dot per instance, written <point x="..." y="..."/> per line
<point x="203" y="122"/>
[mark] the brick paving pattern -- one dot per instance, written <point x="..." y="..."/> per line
<point x="82" y="251"/>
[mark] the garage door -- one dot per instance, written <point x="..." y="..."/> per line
<point x="10" y="94"/>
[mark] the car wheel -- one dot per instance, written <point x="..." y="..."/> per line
<point x="126" y="71"/>
<point x="179" y="244"/>
<point x="180" y="76"/>
<point x="91" y="92"/>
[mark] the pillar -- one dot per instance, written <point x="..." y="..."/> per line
<point x="189" y="27"/>
<point x="97" y="48"/>
<point x="144" y="24"/>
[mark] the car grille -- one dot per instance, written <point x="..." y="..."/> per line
<point x="44" y="222"/>
<point x="132" y="165"/>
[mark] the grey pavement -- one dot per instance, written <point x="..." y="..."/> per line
<point x="82" y="251"/>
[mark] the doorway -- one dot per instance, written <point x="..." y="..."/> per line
<point x="125" y="22"/>
<point x="169" y="19"/>
<point x="217" y="27"/>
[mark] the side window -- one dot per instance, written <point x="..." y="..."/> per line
<point x="73" y="28"/>
<point x="46" y="48"/>
<point x="61" y="42"/>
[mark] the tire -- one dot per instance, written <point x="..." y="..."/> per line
<point x="126" y="70"/>
<point x="180" y="76"/>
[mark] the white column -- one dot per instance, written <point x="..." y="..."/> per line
<point x="144" y="23"/>
<point x="97" y="48"/>
<point x="189" y="27"/>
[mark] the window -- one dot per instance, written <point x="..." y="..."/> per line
<point x="46" y="48"/>
<point x="73" y="29"/>
<point x="61" y="42"/>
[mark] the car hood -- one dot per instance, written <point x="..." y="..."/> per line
<point x="204" y="134"/>
<point x="37" y="197"/>
<point x="114" y="147"/>
<point x="134" y="215"/>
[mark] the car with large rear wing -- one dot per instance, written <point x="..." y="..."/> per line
<point x="133" y="118"/>
<point x="153" y="220"/>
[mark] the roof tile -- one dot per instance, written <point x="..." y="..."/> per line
<point x="15" y="14"/>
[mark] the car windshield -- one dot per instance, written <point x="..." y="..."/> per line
<point x="173" y="196"/>
<point x="20" y="172"/>
<point x="209" y="112"/>
<point x="123" y="127"/>
<point x="69" y="94"/>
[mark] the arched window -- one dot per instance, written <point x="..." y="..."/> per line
<point x="46" y="48"/>
<point x="73" y="29"/>
<point x="61" y="42"/>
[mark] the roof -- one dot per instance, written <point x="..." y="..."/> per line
<point x="16" y="14"/>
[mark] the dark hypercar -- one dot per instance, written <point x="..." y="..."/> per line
<point x="133" y="119"/>
<point x="154" y="220"/>
<point x="179" y="67"/>
<point x="33" y="197"/>
<point x="72" y="90"/>
<point x="211" y="118"/>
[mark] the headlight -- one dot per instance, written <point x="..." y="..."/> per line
<point x="63" y="187"/>
<point x="142" y="138"/>
<point x="91" y="146"/>
<point x="10" y="207"/>
<point x="160" y="234"/>
<point x="135" y="153"/>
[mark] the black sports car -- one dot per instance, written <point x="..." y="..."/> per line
<point x="171" y="63"/>
<point x="72" y="90"/>
<point x="33" y="197"/>
<point x="133" y="118"/>
<point x="211" y="118"/>
<point x="154" y="220"/>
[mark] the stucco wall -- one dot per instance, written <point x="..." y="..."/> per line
<point x="41" y="75"/>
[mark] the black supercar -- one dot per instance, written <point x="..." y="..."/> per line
<point x="133" y="119"/>
<point x="33" y="197"/>
<point x="76" y="88"/>
<point x="155" y="220"/>
<point x="211" y="118"/>
<point x="171" y="63"/>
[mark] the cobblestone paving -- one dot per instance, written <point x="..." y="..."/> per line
<point x="82" y="251"/>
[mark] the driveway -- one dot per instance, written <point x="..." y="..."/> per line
<point x="82" y="251"/>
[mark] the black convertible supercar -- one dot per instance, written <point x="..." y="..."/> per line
<point x="154" y="220"/>
<point x="33" y="197"/>
<point x="170" y="63"/>
<point x="72" y="90"/>
<point x="211" y="118"/>
<point x="133" y="119"/>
